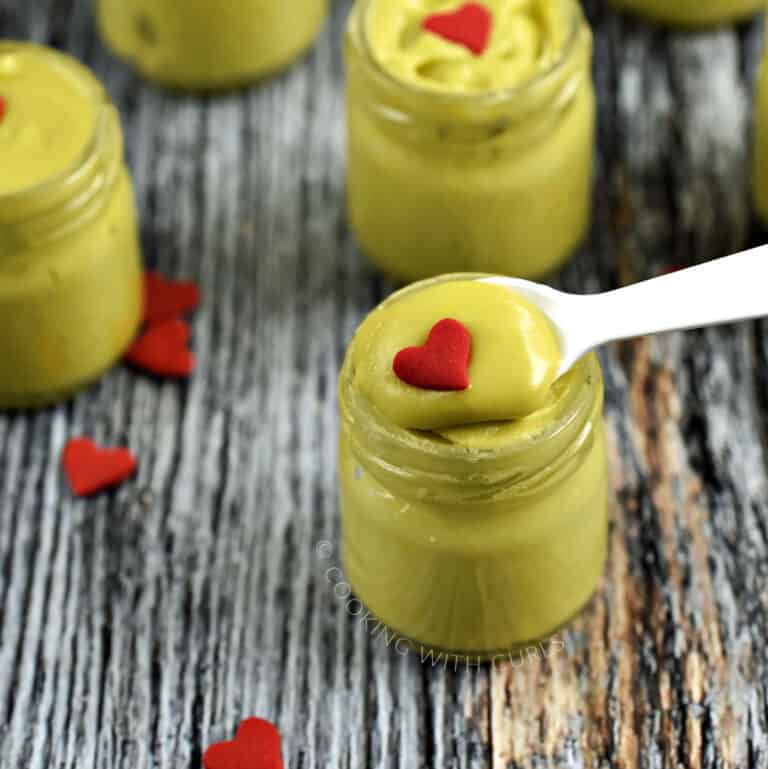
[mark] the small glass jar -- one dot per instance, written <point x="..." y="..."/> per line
<point x="70" y="266"/>
<point x="476" y="552"/>
<point x="497" y="181"/>
<point x="208" y="45"/>
<point x="760" y="159"/>
<point x="693" y="13"/>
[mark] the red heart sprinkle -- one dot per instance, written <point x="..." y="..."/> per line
<point x="165" y="299"/>
<point x="469" y="26"/>
<point x="256" y="746"/>
<point x="162" y="350"/>
<point x="3" y="108"/>
<point x="90" y="469"/>
<point x="442" y="363"/>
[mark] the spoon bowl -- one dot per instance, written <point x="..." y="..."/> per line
<point x="560" y="309"/>
<point x="725" y="290"/>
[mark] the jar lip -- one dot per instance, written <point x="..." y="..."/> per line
<point x="61" y="178"/>
<point x="575" y="402"/>
<point x="486" y="98"/>
<point x="102" y="105"/>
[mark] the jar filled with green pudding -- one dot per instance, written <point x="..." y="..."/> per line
<point x="693" y="13"/>
<point x="70" y="267"/>
<point x="481" y="158"/>
<point x="760" y="155"/>
<point x="209" y="45"/>
<point x="474" y="519"/>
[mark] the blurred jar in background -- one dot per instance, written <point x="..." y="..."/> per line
<point x="70" y="267"/>
<point x="469" y="161"/>
<point x="208" y="45"/>
<point x="693" y="13"/>
<point x="760" y="170"/>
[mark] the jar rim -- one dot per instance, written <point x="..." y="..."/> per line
<point x="102" y="105"/>
<point x="63" y="201"/>
<point x="488" y="98"/>
<point x="572" y="411"/>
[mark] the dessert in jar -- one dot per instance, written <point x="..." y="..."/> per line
<point x="760" y="155"/>
<point x="70" y="267"/>
<point x="208" y="45"/>
<point x="470" y="134"/>
<point x="474" y="491"/>
<point x="693" y="13"/>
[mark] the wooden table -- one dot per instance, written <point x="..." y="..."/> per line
<point x="137" y="627"/>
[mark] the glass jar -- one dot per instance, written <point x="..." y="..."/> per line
<point x="206" y="45"/>
<point x="70" y="267"/>
<point x="475" y="551"/>
<point x="760" y="160"/>
<point x="496" y="181"/>
<point x="693" y="13"/>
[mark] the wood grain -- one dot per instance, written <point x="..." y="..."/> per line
<point x="137" y="628"/>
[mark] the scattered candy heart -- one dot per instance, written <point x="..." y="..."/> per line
<point x="162" y="350"/>
<point x="165" y="299"/>
<point x="469" y="26"/>
<point x="3" y="108"/>
<point x="90" y="469"/>
<point x="442" y="363"/>
<point x="256" y="746"/>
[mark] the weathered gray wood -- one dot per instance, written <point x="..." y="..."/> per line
<point x="137" y="627"/>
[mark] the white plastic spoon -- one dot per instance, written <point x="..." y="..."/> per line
<point x="722" y="291"/>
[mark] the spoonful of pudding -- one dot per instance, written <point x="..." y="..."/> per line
<point x="721" y="291"/>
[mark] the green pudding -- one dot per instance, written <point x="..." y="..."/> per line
<point x="50" y="116"/>
<point x="515" y="358"/>
<point x="694" y="13"/>
<point x="473" y="521"/>
<point x="760" y="153"/>
<point x="70" y="263"/>
<point x="469" y="162"/>
<point x="527" y="39"/>
<point x="207" y="45"/>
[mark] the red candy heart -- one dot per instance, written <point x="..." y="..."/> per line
<point x="469" y="26"/>
<point x="3" y="108"/>
<point x="256" y="746"/>
<point x="90" y="469"/>
<point x="442" y="363"/>
<point x="165" y="299"/>
<point x="162" y="350"/>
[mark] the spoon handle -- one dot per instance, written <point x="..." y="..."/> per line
<point x="721" y="291"/>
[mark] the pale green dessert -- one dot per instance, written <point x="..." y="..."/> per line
<point x="463" y="161"/>
<point x="474" y="521"/>
<point x="694" y="13"/>
<point x="515" y="357"/>
<point x="207" y="45"/>
<point x="760" y="157"/>
<point x="70" y="266"/>
<point x="527" y="38"/>
<point x="50" y="116"/>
